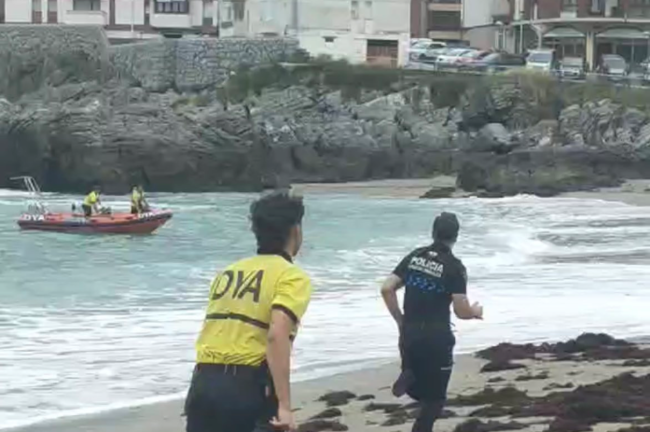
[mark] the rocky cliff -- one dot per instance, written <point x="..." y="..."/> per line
<point x="189" y="115"/>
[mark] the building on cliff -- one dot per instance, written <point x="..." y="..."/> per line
<point x="357" y="30"/>
<point x="584" y="28"/>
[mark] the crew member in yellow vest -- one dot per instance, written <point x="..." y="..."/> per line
<point x="92" y="202"/>
<point x="241" y="379"/>
<point x="138" y="201"/>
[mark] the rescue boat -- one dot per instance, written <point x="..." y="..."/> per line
<point x="118" y="223"/>
<point x="37" y="217"/>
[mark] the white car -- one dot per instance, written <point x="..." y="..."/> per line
<point x="424" y="49"/>
<point x="451" y="57"/>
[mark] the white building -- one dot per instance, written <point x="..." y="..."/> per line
<point x="122" y="19"/>
<point x="484" y="23"/>
<point x="357" y="30"/>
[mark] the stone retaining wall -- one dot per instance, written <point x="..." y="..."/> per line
<point x="33" y="56"/>
<point x="194" y="64"/>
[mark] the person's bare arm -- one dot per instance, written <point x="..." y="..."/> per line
<point x="463" y="310"/>
<point x="278" y="355"/>
<point x="389" y="293"/>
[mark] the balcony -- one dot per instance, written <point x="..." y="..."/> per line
<point x="445" y="5"/>
<point x="86" y="17"/>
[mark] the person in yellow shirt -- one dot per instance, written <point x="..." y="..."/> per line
<point x="92" y="202"/>
<point x="138" y="202"/>
<point x="241" y="377"/>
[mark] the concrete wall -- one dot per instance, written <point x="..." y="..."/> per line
<point x="193" y="64"/>
<point x="483" y="37"/>
<point x="18" y="11"/>
<point x="477" y="13"/>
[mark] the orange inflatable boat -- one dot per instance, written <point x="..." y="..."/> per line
<point x="118" y="223"/>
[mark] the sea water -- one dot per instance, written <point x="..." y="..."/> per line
<point x="89" y="323"/>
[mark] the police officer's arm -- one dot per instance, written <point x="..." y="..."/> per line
<point x="456" y="281"/>
<point x="289" y="305"/>
<point x="389" y="293"/>
<point x="390" y="286"/>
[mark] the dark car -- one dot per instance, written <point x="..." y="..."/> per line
<point x="572" y="68"/>
<point x="497" y="62"/>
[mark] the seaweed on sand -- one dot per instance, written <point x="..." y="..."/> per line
<point x="620" y="399"/>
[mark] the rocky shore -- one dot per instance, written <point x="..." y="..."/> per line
<point x="274" y="125"/>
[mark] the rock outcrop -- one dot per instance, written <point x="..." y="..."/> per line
<point x="161" y="113"/>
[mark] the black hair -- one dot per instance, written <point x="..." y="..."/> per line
<point x="446" y="228"/>
<point x="273" y="216"/>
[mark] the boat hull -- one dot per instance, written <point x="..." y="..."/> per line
<point x="119" y="223"/>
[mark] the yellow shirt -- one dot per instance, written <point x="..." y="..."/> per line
<point x="91" y="199"/>
<point x="239" y="310"/>
<point x="136" y="197"/>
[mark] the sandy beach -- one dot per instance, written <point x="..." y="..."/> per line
<point x="633" y="192"/>
<point x="364" y="402"/>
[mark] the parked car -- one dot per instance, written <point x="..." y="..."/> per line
<point x="543" y="60"/>
<point x="425" y="49"/>
<point x="497" y="62"/>
<point x="573" y="68"/>
<point x="450" y="57"/>
<point x="467" y="59"/>
<point x="614" y="66"/>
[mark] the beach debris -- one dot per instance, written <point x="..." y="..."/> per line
<point x="636" y="428"/>
<point x="396" y="420"/>
<point x="496" y="380"/>
<point x="366" y="397"/>
<point x="488" y="396"/>
<point x="328" y="413"/>
<point x="558" y="386"/>
<point x="586" y="347"/>
<point x="621" y="399"/>
<point x="337" y="398"/>
<point x="636" y="363"/>
<point x="475" y="425"/>
<point x="322" y="425"/>
<point x="501" y="365"/>
<point x="385" y="407"/>
<point x="532" y="377"/>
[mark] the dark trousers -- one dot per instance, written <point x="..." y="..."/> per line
<point x="229" y="399"/>
<point x="427" y="356"/>
<point x="88" y="210"/>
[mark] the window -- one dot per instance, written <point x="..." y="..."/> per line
<point x="267" y="11"/>
<point x="172" y="6"/>
<point x="86" y="5"/>
<point x="36" y="6"/>
<point x="329" y="39"/>
<point x="569" y="5"/>
<point x="208" y="12"/>
<point x="354" y="12"/>
<point x="52" y="5"/>
<point x="444" y="21"/>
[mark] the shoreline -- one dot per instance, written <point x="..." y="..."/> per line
<point x="369" y="406"/>
<point x="632" y="192"/>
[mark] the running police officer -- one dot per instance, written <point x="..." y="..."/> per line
<point x="253" y="312"/>
<point x="433" y="279"/>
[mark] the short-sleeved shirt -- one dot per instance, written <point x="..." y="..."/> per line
<point x="431" y="275"/>
<point x="239" y="309"/>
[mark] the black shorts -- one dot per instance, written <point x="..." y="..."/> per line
<point x="229" y="399"/>
<point x="88" y="210"/>
<point x="429" y="356"/>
